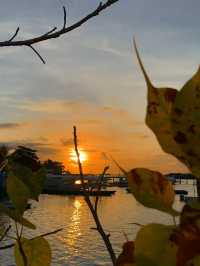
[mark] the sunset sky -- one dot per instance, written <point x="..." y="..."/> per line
<point x="92" y="79"/>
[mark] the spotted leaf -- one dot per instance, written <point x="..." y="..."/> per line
<point x="158" y="116"/>
<point x="152" y="189"/>
<point x="185" y="119"/>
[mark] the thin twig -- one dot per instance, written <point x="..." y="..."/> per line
<point x="16" y="229"/>
<point x="118" y="165"/>
<point x="37" y="53"/>
<point x="65" y="17"/>
<point x="21" y="231"/>
<point x="51" y="233"/>
<point x="57" y="33"/>
<point x="7" y="246"/>
<point x="100" y="180"/>
<point x="3" y="164"/>
<point x="14" y="35"/>
<point x="5" y="233"/>
<point x="22" y="252"/>
<point x="100" y="229"/>
<point x="49" y="32"/>
<point x="138" y="224"/>
<point x="126" y="237"/>
<point x="43" y="235"/>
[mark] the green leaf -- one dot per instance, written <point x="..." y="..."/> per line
<point x="153" y="246"/>
<point x="16" y="216"/>
<point x="186" y="122"/>
<point x="37" y="252"/>
<point x="33" y="180"/>
<point x="17" y="192"/>
<point x="37" y="182"/>
<point x="158" y="116"/>
<point x="152" y="189"/>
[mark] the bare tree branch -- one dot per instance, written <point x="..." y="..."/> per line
<point x="99" y="228"/>
<point x="54" y="33"/>
<point x="43" y="235"/>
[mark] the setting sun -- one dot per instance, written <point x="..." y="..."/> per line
<point x="83" y="156"/>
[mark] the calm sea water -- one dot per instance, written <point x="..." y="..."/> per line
<point x="77" y="244"/>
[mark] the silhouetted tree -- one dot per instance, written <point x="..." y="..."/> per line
<point x="54" y="167"/>
<point x="26" y="157"/>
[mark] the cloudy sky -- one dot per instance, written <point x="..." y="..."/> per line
<point x="92" y="79"/>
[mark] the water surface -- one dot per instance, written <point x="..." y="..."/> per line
<point x="78" y="243"/>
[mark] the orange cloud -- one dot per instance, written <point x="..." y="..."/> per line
<point x="101" y="130"/>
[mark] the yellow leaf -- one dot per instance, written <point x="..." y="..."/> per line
<point x="185" y="119"/>
<point x="37" y="252"/>
<point x="158" y="116"/>
<point x="153" y="246"/>
<point x="152" y="189"/>
<point x="18" y="192"/>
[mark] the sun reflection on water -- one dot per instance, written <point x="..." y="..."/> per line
<point x="74" y="229"/>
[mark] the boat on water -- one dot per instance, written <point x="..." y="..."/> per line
<point x="70" y="184"/>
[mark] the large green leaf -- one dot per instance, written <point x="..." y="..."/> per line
<point x="16" y="216"/>
<point x="153" y="246"/>
<point x="18" y="192"/>
<point x="34" y="180"/>
<point x="37" y="252"/>
<point x="185" y="119"/>
<point x="152" y="189"/>
<point x="158" y="116"/>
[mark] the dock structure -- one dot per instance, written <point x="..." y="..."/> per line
<point x="179" y="178"/>
<point x="114" y="180"/>
<point x="184" y="179"/>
